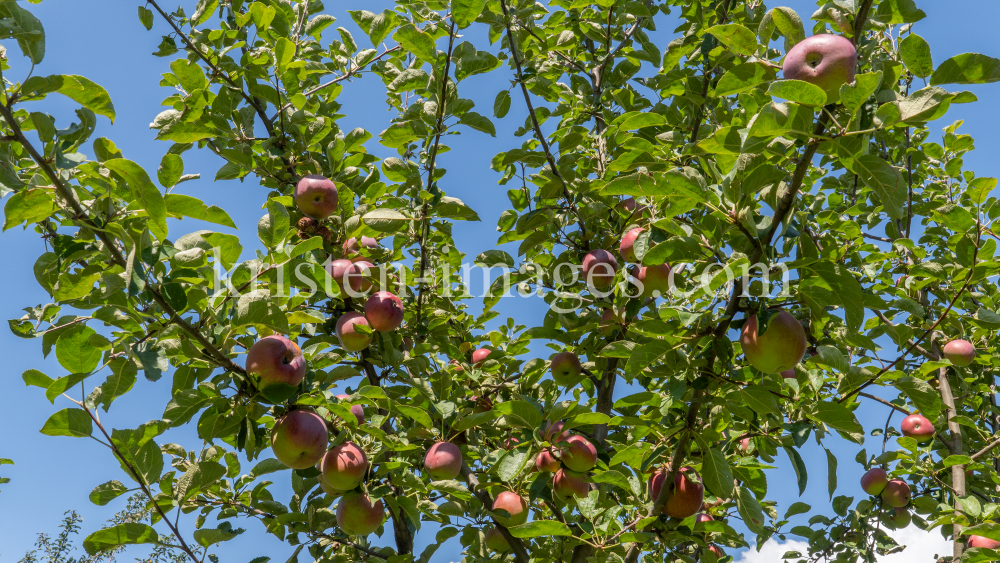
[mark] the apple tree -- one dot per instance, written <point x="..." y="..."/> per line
<point x="677" y="158"/>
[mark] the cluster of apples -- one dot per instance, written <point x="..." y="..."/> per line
<point x="569" y="457"/>
<point x="895" y="493"/>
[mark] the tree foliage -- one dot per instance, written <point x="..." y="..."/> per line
<point x="665" y="114"/>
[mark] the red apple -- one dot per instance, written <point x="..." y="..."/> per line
<point x="654" y="278"/>
<point x="745" y="446"/>
<point x="546" y="462"/>
<point x="599" y="267"/>
<point x="780" y="347"/>
<point x="896" y="493"/>
<point x="568" y="484"/>
<point x="566" y="368"/>
<point x="828" y="61"/>
<point x="349" y="337"/>
<point x="353" y="250"/>
<point x="702" y="517"/>
<point x="687" y="496"/>
<point x="873" y="482"/>
<point x="343" y="467"/>
<point x="609" y="322"/>
<point x="357" y="410"/>
<point x="627" y="247"/>
<point x="339" y="270"/>
<point x="628" y="206"/>
<point x="299" y="439"/>
<point x="479" y="356"/>
<point x="510" y="443"/>
<point x="917" y="426"/>
<point x="384" y="311"/>
<point x="277" y="362"/>
<point x="359" y="276"/>
<point x="443" y="461"/>
<point x="357" y="516"/>
<point x="960" y="352"/>
<point x="788" y="373"/>
<point x="496" y="542"/>
<point x="515" y="506"/>
<point x="980" y="541"/>
<point x="578" y="454"/>
<point x="716" y="551"/>
<point x="456" y="367"/>
<point x="316" y="196"/>
<point x="553" y="433"/>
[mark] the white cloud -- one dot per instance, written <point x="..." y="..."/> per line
<point x="921" y="547"/>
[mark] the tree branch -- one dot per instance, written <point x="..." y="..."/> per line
<point x="516" y="545"/>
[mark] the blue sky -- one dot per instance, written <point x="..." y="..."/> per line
<point x="104" y="41"/>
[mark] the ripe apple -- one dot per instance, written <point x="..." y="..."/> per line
<point x="896" y="493"/>
<point x="599" y="267"/>
<point x="917" y="426"/>
<point x="316" y="196"/>
<point x="654" y="278"/>
<point x="456" y="367"/>
<point x="357" y="410"/>
<point x="715" y="550"/>
<point x="339" y="270"/>
<point x="873" y="482"/>
<point x="628" y="206"/>
<point x="479" y="356"/>
<point x="897" y="518"/>
<point x="627" y="247"/>
<point x="482" y="404"/>
<point x="568" y="484"/>
<point x="553" y="433"/>
<point x="299" y="439"/>
<point x="278" y="364"/>
<point x="343" y="467"/>
<point x="780" y="347"/>
<point x="578" y="454"/>
<point x="702" y="517"/>
<point x="687" y="495"/>
<point x="357" y="516"/>
<point x="443" y="461"/>
<point x="960" y="352"/>
<point x="566" y="368"/>
<point x="516" y="507"/>
<point x="828" y="61"/>
<point x="359" y="276"/>
<point x="384" y="311"/>
<point x="352" y="250"/>
<point x="349" y="337"/>
<point x="788" y="373"/>
<point x="546" y="462"/>
<point x="496" y="542"/>
<point x="980" y="541"/>
<point x="609" y="322"/>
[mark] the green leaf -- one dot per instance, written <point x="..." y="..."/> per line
<point x="120" y="381"/>
<point x="501" y="105"/>
<point x="170" y="171"/>
<point x="737" y="38"/>
<point x="69" y="422"/>
<point x="916" y="55"/>
<point x="469" y="61"/>
<point x="854" y="95"/>
<point x="798" y="91"/>
<point x="465" y="12"/>
<point x="417" y="414"/>
<point x="203" y="11"/>
<point x="416" y="42"/>
<point x="284" y="53"/>
<point x="258" y="308"/>
<point x="750" y="510"/>
<point x="886" y="181"/>
<point x="144" y="192"/>
<point x="521" y="413"/>
<point x="800" y="468"/>
<point x="103" y="494"/>
<point x="210" y="536"/>
<point x="716" y="474"/>
<point x="922" y="394"/>
<point x="36" y="378"/>
<point x="967" y="68"/>
<point x="130" y="533"/>
<point x="454" y="208"/>
<point x="512" y="463"/>
<point x="989" y="530"/>
<point x="74" y="351"/>
<point x="478" y="122"/>
<point x="27" y="30"/>
<point x="841" y="419"/>
<point x="540" y="528"/>
<point x="685" y="183"/>
<point x="146" y="17"/>
<point x="898" y="11"/>
<point x="831" y="472"/>
<point x="384" y="220"/>
<point x="743" y="77"/>
<point x="759" y="399"/>
<point x="28" y="206"/>
<point x="272" y="229"/>
<point x="179" y="205"/>
<point x="77" y="88"/>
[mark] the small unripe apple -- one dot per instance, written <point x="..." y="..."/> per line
<point x="384" y="311"/>
<point x="627" y="246"/>
<point x="357" y="516"/>
<point x="515" y="506"/>
<point x="960" y="352"/>
<point x="609" y="322"/>
<point x="546" y="462"/>
<point x="687" y="495"/>
<point x="897" y="518"/>
<point x="566" y="368"/>
<point x="828" y="61"/>
<point x="780" y="347"/>
<point x="316" y="196"/>
<point x="357" y="410"/>
<point x="443" y="461"/>
<point x="788" y="373"/>
<point x="277" y="362"/>
<point x="299" y="439"/>
<point x="578" y="454"/>
<point x="745" y="446"/>
<point x="496" y="542"/>
<point x="980" y="541"/>
<point x="479" y="356"/>
<point x="917" y="426"/>
<point x="896" y="493"/>
<point x="873" y="482"/>
<point x="343" y="467"/>
<point x="553" y="432"/>
<point x="654" y="278"/>
<point x="599" y="267"/>
<point x="566" y="484"/>
<point x="353" y="250"/>
<point x="349" y="337"/>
